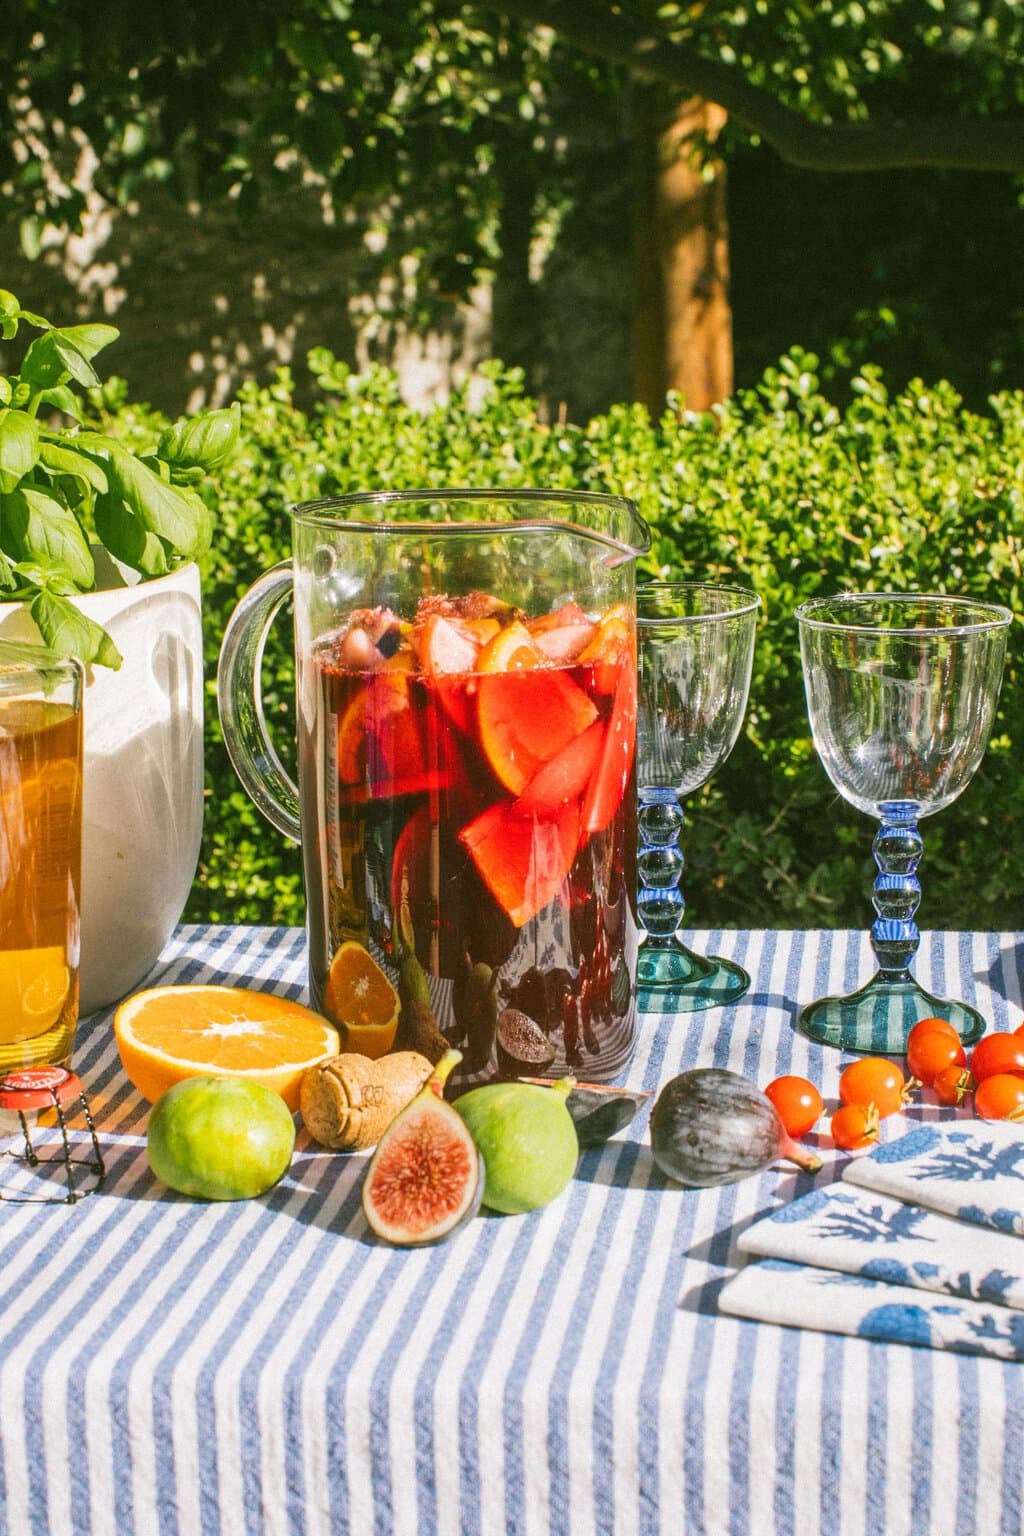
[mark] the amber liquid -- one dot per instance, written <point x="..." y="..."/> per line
<point x="40" y="876"/>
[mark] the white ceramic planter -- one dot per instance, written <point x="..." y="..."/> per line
<point x="143" y="787"/>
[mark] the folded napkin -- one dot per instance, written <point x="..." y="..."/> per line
<point x="863" y="1233"/>
<point x="970" y="1169"/>
<point x="799" y="1296"/>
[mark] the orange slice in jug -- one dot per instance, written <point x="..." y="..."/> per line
<point x="527" y="712"/>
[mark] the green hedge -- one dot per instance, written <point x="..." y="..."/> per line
<point x="782" y="491"/>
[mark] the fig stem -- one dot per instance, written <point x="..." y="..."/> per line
<point x="563" y="1086"/>
<point x="442" y="1071"/>
<point x="803" y="1157"/>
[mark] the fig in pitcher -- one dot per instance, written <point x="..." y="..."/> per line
<point x="472" y="770"/>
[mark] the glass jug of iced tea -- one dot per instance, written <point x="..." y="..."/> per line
<point x="466" y="703"/>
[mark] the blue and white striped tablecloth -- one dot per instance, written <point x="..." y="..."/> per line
<point x="267" y="1367"/>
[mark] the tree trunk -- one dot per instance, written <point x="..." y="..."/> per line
<point x="683" y="322"/>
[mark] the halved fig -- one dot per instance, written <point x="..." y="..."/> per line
<point x="522" y="1044"/>
<point x="426" y="1177"/>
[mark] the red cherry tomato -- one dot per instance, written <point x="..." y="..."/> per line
<point x="930" y="1052"/>
<point x="798" y="1103"/>
<point x="873" y="1080"/>
<point x="997" y="1053"/>
<point x="854" y="1126"/>
<point x="952" y="1084"/>
<point x="1000" y="1097"/>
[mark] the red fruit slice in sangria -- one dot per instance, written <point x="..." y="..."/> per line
<point x="564" y="778"/>
<point x="562" y="635"/>
<point x="381" y="750"/>
<point x="526" y="713"/>
<point x="608" y="784"/>
<point x="448" y="651"/>
<point x="523" y="860"/>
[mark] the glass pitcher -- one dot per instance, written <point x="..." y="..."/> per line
<point x="466" y="807"/>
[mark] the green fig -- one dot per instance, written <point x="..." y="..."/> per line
<point x="480" y="1014"/>
<point x="527" y="1140"/>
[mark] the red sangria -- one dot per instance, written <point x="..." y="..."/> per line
<point x="469" y="771"/>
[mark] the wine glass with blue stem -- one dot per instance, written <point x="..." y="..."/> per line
<point x="901" y="695"/>
<point x="695" y="646"/>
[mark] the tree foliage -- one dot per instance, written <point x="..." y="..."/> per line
<point x="429" y="124"/>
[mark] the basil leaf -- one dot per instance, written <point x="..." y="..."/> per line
<point x="40" y="529"/>
<point x="64" y="461"/>
<point x="127" y="540"/>
<point x="58" y="353"/>
<point x="62" y="399"/>
<point x="177" y="516"/>
<point x="70" y="632"/>
<point x="205" y="441"/>
<point x="19" y="447"/>
<point x="11" y="313"/>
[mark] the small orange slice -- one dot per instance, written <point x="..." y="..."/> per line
<point x="361" y="1000"/>
<point x="166" y="1034"/>
<point x="511" y="650"/>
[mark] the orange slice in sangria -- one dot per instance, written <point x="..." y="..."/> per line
<point x="523" y="860"/>
<point x="609" y="648"/>
<point x="527" y="713"/>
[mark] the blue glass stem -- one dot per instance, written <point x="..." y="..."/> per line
<point x="896" y="893"/>
<point x="660" y="864"/>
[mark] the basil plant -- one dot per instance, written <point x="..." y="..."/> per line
<point x="65" y="488"/>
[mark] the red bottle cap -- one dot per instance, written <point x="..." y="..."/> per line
<point x="38" y="1088"/>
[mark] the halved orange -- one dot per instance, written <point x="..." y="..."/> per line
<point x="166" y="1034"/>
<point x="361" y="1001"/>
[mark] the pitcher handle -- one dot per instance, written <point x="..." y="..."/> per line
<point x="240" y="701"/>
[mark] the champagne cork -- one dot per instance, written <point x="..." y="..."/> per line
<point x="348" y="1101"/>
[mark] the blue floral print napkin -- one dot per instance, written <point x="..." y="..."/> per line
<point x="970" y="1169"/>
<point x="799" y="1296"/>
<point x="863" y="1233"/>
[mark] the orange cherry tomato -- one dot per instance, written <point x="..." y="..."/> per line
<point x="854" y="1126"/>
<point x="798" y="1103"/>
<point x="929" y="1026"/>
<point x="874" y="1080"/>
<point x="1000" y="1097"/>
<point x="997" y="1053"/>
<point x="931" y="1051"/>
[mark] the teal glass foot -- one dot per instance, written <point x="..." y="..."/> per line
<point x="684" y="982"/>
<point x="878" y="1018"/>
